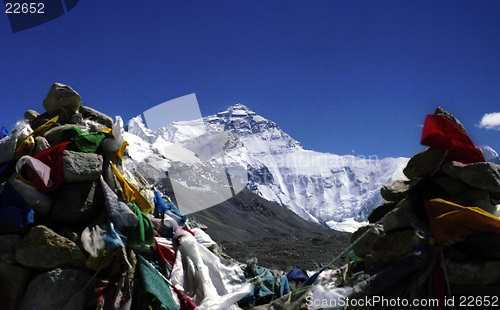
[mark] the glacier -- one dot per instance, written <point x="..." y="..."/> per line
<point x="338" y="191"/>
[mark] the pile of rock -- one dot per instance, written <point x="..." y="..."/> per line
<point x="457" y="249"/>
<point x="42" y="261"/>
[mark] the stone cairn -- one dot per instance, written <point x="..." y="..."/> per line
<point x="42" y="261"/>
<point x="406" y="250"/>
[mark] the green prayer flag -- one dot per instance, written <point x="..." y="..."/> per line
<point x="83" y="142"/>
<point x="154" y="284"/>
<point x="142" y="233"/>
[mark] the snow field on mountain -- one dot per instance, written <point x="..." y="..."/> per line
<point x="339" y="191"/>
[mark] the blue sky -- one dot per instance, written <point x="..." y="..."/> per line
<point x="345" y="77"/>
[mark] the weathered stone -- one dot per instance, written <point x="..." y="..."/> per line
<point x="11" y="229"/>
<point x="62" y="99"/>
<point x="14" y="280"/>
<point x="40" y="144"/>
<point x="363" y="239"/>
<point x="369" y="261"/>
<point x="94" y="115"/>
<point x="452" y="118"/>
<point x="485" y="176"/>
<point x="495" y="197"/>
<point x="43" y="249"/>
<point x="401" y="217"/>
<point x="424" y="163"/>
<point x="379" y="212"/>
<point x="52" y="290"/>
<point x="77" y="202"/>
<point x="79" y="167"/>
<point x="395" y="191"/>
<point x="8" y="245"/>
<point x="481" y="246"/>
<point x="54" y="134"/>
<point x="76" y="118"/>
<point x="451" y="186"/>
<point x="40" y="202"/>
<point x="30" y="115"/>
<point x="480" y="199"/>
<point x="389" y="248"/>
<point x="40" y="120"/>
<point x="70" y="232"/>
<point x="477" y="272"/>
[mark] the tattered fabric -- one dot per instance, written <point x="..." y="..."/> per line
<point x="116" y="143"/>
<point x="185" y="302"/>
<point x="14" y="210"/>
<point x="164" y="254"/>
<point x="102" y="242"/>
<point x="211" y="281"/>
<point x="263" y="281"/>
<point x="38" y="167"/>
<point x="131" y="193"/>
<point x="142" y="233"/>
<point x="25" y="147"/>
<point x="450" y="220"/>
<point x="163" y="207"/>
<point x="83" y="141"/>
<point x="154" y="284"/>
<point x="52" y="157"/>
<point x="439" y="132"/>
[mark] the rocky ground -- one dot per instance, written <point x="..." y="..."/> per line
<point x="289" y="253"/>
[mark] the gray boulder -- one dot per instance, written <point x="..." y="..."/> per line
<point x="8" y="245"/>
<point x="480" y="199"/>
<point x="401" y="217"/>
<point x="53" y="289"/>
<point x="14" y="280"/>
<point x="451" y="186"/>
<point x="39" y="120"/>
<point x="40" y="144"/>
<point x="30" y="115"/>
<point x="379" y="212"/>
<point x="477" y="272"/>
<point x="481" y="246"/>
<point x="62" y="100"/>
<point x="77" y="202"/>
<point x="424" y="163"/>
<point x="40" y="202"/>
<point x="395" y="191"/>
<point x="76" y="118"/>
<point x="391" y="247"/>
<point x="79" y="167"/>
<point x="363" y="239"/>
<point x="484" y="176"/>
<point x="43" y="249"/>
<point x="94" y="115"/>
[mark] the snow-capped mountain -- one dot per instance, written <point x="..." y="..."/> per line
<point x="340" y="191"/>
<point x="490" y="154"/>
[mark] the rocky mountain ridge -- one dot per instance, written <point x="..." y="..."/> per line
<point x="339" y="191"/>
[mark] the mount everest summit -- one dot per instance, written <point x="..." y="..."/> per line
<point x="339" y="191"/>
